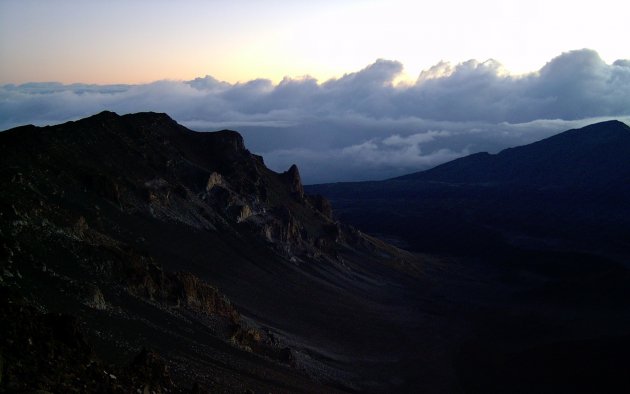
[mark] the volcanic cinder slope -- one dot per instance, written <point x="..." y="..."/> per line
<point x="139" y="255"/>
<point x="547" y="227"/>
<point x="133" y="238"/>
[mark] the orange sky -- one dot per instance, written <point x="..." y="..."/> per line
<point x="142" y="41"/>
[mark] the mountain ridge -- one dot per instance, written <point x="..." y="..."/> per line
<point x="552" y="218"/>
<point x="597" y="145"/>
<point x="150" y="235"/>
<point x="569" y="189"/>
<point x="136" y="254"/>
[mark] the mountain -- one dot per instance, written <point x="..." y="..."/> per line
<point x="596" y="155"/>
<point x="138" y="255"/>
<point x="170" y="258"/>
<point x="566" y="192"/>
<point x="544" y="230"/>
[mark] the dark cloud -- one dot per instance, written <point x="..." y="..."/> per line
<point x="361" y="125"/>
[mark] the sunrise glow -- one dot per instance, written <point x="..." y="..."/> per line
<point x="136" y="42"/>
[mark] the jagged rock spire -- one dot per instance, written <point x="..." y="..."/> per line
<point x="292" y="177"/>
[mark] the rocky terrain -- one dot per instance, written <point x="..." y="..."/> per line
<point x="137" y="254"/>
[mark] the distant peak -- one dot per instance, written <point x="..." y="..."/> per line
<point x="613" y="122"/>
<point x="609" y="125"/>
<point x="612" y="131"/>
<point x="104" y="114"/>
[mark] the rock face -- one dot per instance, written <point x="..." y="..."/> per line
<point x="292" y="178"/>
<point x="139" y="256"/>
<point x="215" y="180"/>
<point x="152" y="236"/>
<point x="322" y="204"/>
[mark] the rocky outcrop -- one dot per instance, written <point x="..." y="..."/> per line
<point x="182" y="289"/>
<point x="198" y="295"/>
<point x="321" y="204"/>
<point x="230" y="141"/>
<point x="245" y="213"/>
<point x="292" y="178"/>
<point x="215" y="179"/>
<point x="94" y="298"/>
<point x="132" y="224"/>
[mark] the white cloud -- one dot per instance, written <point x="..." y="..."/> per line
<point x="414" y="139"/>
<point x="361" y="125"/>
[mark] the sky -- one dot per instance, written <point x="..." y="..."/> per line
<point x="348" y="90"/>
<point x="139" y="41"/>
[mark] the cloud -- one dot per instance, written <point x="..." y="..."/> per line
<point x="375" y="158"/>
<point x="362" y="125"/>
<point x="415" y="139"/>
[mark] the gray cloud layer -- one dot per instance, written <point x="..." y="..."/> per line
<point x="362" y="125"/>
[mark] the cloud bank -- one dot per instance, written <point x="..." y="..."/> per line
<point x="361" y="125"/>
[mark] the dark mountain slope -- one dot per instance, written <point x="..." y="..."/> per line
<point x="569" y="191"/>
<point x="138" y="255"/>
<point x="596" y="155"/>
<point x="544" y="228"/>
<point x="124" y="225"/>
